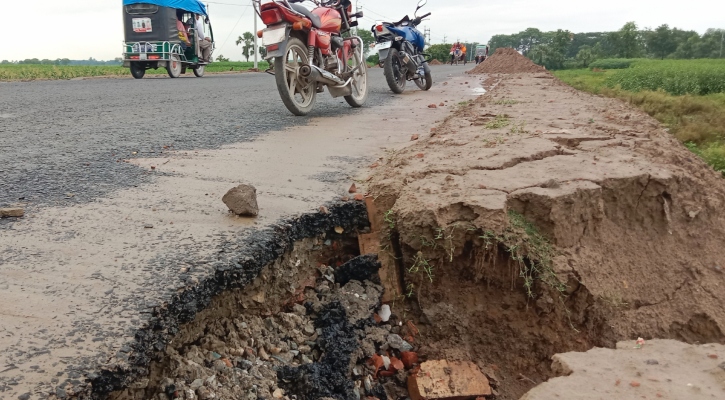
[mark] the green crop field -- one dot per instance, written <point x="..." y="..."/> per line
<point x="677" y="77"/>
<point x="29" y="72"/>
<point x="687" y="96"/>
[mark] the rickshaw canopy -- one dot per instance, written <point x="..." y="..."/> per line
<point x="194" y="6"/>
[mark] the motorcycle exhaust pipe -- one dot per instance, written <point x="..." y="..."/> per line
<point x="312" y="72"/>
<point x="412" y="66"/>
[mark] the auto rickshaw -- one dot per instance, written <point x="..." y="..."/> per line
<point x="152" y="38"/>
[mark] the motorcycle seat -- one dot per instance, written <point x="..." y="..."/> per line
<point x="316" y="22"/>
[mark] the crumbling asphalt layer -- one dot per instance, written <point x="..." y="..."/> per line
<point x="64" y="142"/>
<point x="233" y="271"/>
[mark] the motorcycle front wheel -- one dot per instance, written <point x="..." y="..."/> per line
<point x="394" y="74"/>
<point x="298" y="94"/>
<point x="425" y="81"/>
<point x="359" y="79"/>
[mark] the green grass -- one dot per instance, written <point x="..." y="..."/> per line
<point x="530" y="250"/>
<point x="27" y="72"/>
<point x="612" y="63"/>
<point x="696" y="120"/>
<point x="677" y="77"/>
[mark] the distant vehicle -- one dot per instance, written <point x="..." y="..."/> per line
<point x="481" y="51"/>
<point x="400" y="50"/>
<point x="152" y="37"/>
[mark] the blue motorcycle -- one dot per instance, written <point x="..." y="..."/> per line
<point x="400" y="47"/>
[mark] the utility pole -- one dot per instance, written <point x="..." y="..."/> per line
<point x="256" y="50"/>
<point x="426" y="33"/>
<point x="722" y="39"/>
<point x="358" y="8"/>
<point x="445" y="38"/>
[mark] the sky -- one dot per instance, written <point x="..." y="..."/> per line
<point x="79" y="29"/>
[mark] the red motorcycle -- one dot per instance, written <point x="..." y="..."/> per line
<point x="310" y="52"/>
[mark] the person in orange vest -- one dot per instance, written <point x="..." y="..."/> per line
<point x="463" y="51"/>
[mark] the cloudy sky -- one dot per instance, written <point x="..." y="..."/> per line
<point x="79" y="29"/>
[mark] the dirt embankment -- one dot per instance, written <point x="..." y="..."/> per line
<point x="538" y="219"/>
<point x="506" y="61"/>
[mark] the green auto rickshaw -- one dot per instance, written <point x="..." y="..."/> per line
<point x="153" y="40"/>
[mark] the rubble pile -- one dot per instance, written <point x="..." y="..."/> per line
<point x="506" y="61"/>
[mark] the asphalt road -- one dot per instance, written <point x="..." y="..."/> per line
<point x="106" y="239"/>
<point x="61" y="141"/>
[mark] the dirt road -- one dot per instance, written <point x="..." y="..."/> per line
<point x="81" y="281"/>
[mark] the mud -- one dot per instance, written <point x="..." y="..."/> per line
<point x="538" y="220"/>
<point x="506" y="61"/>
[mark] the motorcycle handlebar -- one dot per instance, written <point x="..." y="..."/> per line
<point x="418" y="20"/>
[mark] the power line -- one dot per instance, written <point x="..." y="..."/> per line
<point x="235" y="26"/>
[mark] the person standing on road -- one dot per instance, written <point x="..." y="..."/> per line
<point x="204" y="41"/>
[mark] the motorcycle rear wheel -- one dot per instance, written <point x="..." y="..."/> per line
<point x="297" y="94"/>
<point x="393" y="72"/>
<point x="359" y="79"/>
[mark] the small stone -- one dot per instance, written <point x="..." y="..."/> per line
<point x="397" y="342"/>
<point x="278" y="394"/>
<point x="14" y="212"/>
<point x="24" y="396"/>
<point x="432" y="106"/>
<point x="652" y="362"/>
<point x="242" y="200"/>
<point x="551" y="184"/>
<point x="263" y="354"/>
<point x="414" y="137"/>
<point x="204" y="393"/>
<point x="196" y="384"/>
<point x="385" y="313"/>
<point x="304" y="349"/>
<point x="713" y="356"/>
<point x="148" y="226"/>
<point x="420" y="155"/>
<point x="353" y="189"/>
<point x="634" y="384"/>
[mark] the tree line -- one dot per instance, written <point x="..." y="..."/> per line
<point x="64" y="61"/>
<point x="564" y="49"/>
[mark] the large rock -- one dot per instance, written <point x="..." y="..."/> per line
<point x="242" y="200"/>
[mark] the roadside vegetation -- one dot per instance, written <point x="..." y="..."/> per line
<point x="687" y="96"/>
<point x="29" y="72"/>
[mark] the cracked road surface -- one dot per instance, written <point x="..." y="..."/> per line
<point x="106" y="238"/>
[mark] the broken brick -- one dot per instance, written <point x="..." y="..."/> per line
<point x="634" y="384"/>
<point x="443" y="379"/>
<point x="409" y="358"/>
<point x="432" y="106"/>
<point x="414" y="137"/>
<point x="353" y="189"/>
<point x="359" y="197"/>
<point x="396" y="364"/>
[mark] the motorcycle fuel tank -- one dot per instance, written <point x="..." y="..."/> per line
<point x="410" y="34"/>
<point x="331" y="21"/>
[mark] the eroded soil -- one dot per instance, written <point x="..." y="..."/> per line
<point x="627" y="220"/>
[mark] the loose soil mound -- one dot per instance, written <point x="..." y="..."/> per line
<point x="435" y="62"/>
<point x="506" y="61"/>
<point x="538" y="220"/>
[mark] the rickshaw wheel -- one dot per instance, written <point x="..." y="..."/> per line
<point x="199" y="71"/>
<point x="174" y="66"/>
<point x="137" y="70"/>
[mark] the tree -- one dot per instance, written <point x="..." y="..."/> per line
<point x="248" y="39"/>
<point x="440" y="52"/>
<point x="367" y="38"/>
<point x="628" y="41"/>
<point x="263" y="51"/>
<point x="221" y="58"/>
<point x="661" y="42"/>
<point x="585" y="56"/>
